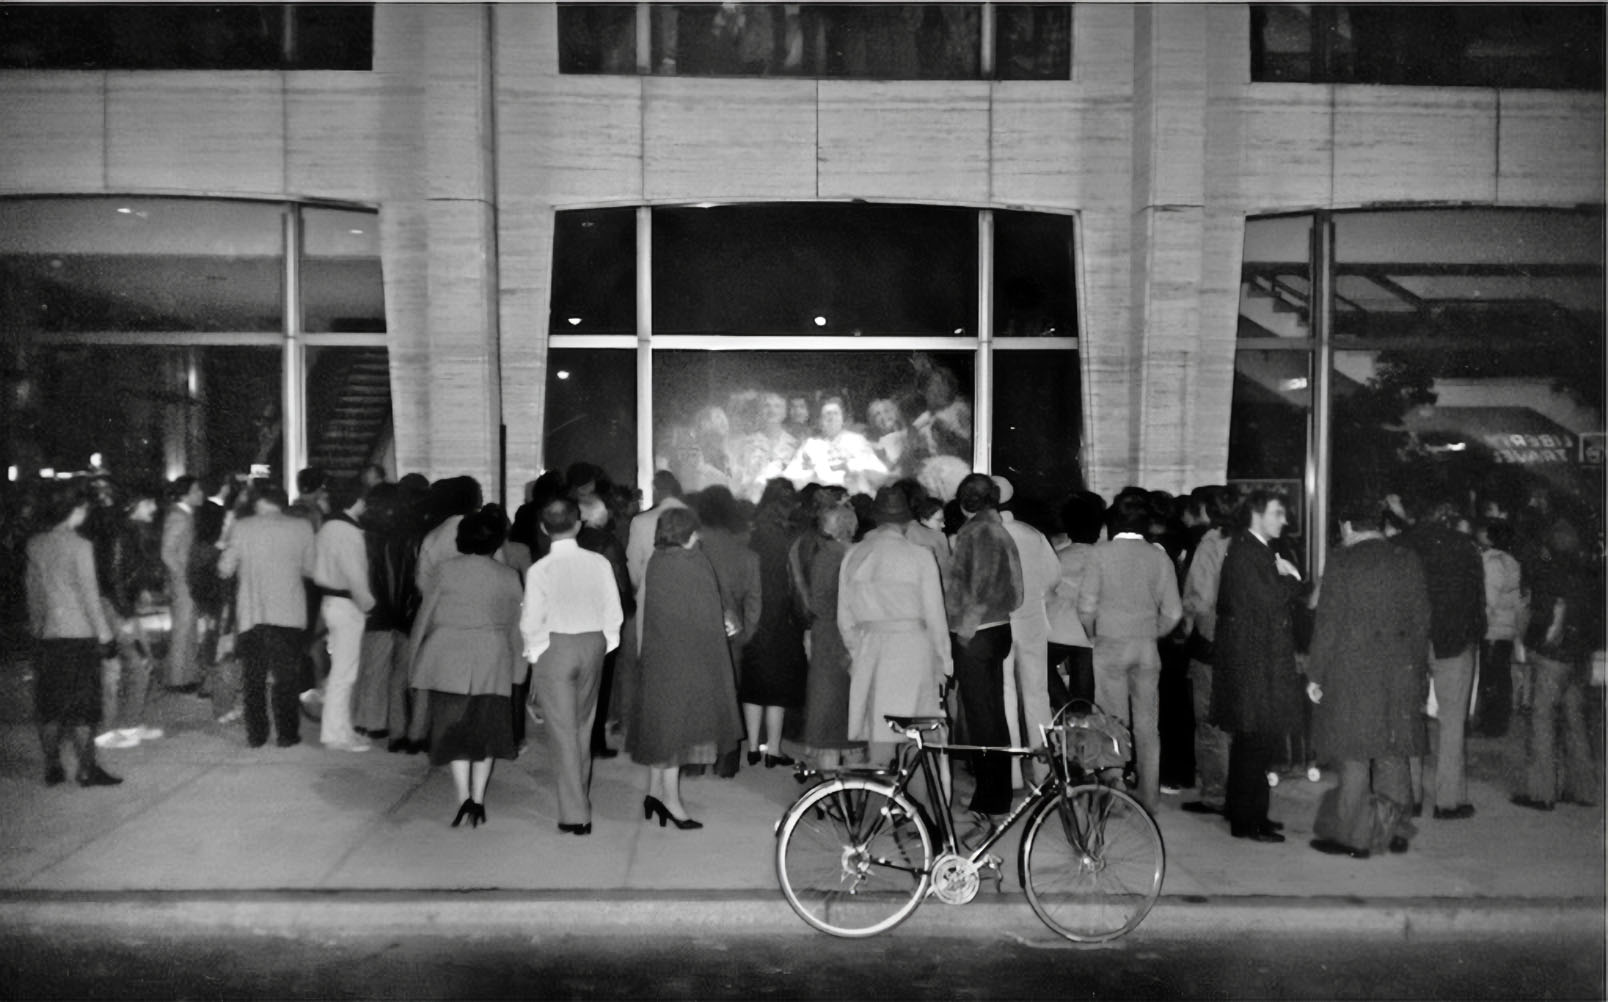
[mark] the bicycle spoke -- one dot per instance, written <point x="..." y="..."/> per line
<point x="1094" y="868"/>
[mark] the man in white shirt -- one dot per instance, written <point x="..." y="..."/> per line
<point x="571" y="620"/>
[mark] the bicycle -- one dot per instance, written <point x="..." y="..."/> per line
<point x="857" y="854"/>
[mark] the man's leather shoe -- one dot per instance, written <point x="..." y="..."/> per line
<point x="605" y="753"/>
<point x="1272" y="825"/>
<point x="1398" y="844"/>
<point x="1257" y="834"/>
<point x="584" y="828"/>
<point x="1457" y="813"/>
<point x="1200" y="807"/>
<point x="1333" y="848"/>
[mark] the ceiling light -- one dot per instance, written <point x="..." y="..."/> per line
<point x="563" y="374"/>
<point x="355" y="233"/>
<point x="820" y="321"/>
<point x="1291" y="385"/>
<point x="574" y="321"/>
<point x="125" y="210"/>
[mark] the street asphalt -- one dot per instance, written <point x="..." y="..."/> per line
<point x="209" y="833"/>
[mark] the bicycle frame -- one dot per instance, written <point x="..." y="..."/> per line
<point x="926" y="755"/>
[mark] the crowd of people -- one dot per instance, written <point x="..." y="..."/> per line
<point x="707" y="631"/>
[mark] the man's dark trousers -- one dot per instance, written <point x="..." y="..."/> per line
<point x="271" y="652"/>
<point x="980" y="676"/>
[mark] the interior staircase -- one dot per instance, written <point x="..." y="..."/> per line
<point x="349" y="410"/>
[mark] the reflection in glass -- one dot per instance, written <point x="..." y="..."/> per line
<point x="865" y="41"/>
<point x="1038" y="427"/>
<point x="1276" y="278"/>
<point x="1554" y="46"/>
<point x="591" y="410"/>
<point x="349" y="410"/>
<point x="1267" y="430"/>
<point x="187" y="36"/>
<point x="1034" y="292"/>
<point x="342" y="287"/>
<point x="140" y="264"/>
<point x="852" y="419"/>
<point x="594" y="272"/>
<point x="596" y="38"/>
<point x="151" y="412"/>
<point x="1033" y="41"/>
<point x="822" y="268"/>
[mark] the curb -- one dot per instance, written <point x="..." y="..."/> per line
<point x="359" y="913"/>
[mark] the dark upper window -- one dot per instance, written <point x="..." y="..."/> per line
<point x="187" y="37"/>
<point x="878" y="41"/>
<point x="1558" y="47"/>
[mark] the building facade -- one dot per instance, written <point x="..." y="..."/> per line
<point x="1172" y="147"/>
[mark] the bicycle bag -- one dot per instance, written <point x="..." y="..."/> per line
<point x="1086" y="739"/>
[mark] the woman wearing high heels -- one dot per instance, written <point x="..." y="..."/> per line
<point x="71" y="636"/>
<point x="684" y="705"/>
<point x="466" y="645"/>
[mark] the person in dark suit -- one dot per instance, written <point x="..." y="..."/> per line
<point x="1368" y="676"/>
<point x="1252" y="697"/>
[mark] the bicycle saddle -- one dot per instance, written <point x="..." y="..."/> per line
<point x="916" y="723"/>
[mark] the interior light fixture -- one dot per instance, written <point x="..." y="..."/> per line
<point x="355" y="233"/>
<point x="49" y="473"/>
<point x="574" y="321"/>
<point x="820" y="321"/>
<point x="1291" y="385"/>
<point x="94" y="460"/>
<point x="562" y="374"/>
<point x="11" y="474"/>
<point x="125" y="210"/>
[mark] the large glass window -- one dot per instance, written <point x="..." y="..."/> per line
<point x="187" y="36"/>
<point x="594" y="272"/>
<point x="157" y="334"/>
<point x="1038" y="421"/>
<point x="866" y="41"/>
<point x="1554" y="46"/>
<point x="341" y="285"/>
<point x="1478" y="353"/>
<point x="1466" y="357"/>
<point x="592" y="410"/>
<point x="837" y="269"/>
<point x="855" y="419"/>
<point x="826" y="342"/>
<point x="149" y="412"/>
<point x="141" y="264"/>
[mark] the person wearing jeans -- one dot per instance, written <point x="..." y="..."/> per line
<point x="1128" y="601"/>
<point x="1456" y="580"/>
<point x="340" y="570"/>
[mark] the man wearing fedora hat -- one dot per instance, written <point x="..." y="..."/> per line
<point x="891" y="615"/>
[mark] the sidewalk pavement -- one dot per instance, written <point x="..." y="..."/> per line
<point x="208" y="833"/>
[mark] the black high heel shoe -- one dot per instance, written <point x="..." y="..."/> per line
<point x="754" y="757"/>
<point x="480" y="815"/>
<point x="653" y="805"/>
<point x="96" y="776"/>
<point x="467" y="810"/>
<point x="772" y="761"/>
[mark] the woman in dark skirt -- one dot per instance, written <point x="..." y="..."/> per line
<point x="773" y="662"/>
<point x="684" y="707"/>
<point x="466" y="646"/>
<point x="71" y="635"/>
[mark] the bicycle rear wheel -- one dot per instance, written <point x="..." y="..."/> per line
<point x="853" y="857"/>
<point x="1092" y="863"/>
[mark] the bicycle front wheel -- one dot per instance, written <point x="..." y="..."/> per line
<point x="853" y="857"/>
<point x="1092" y="863"/>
